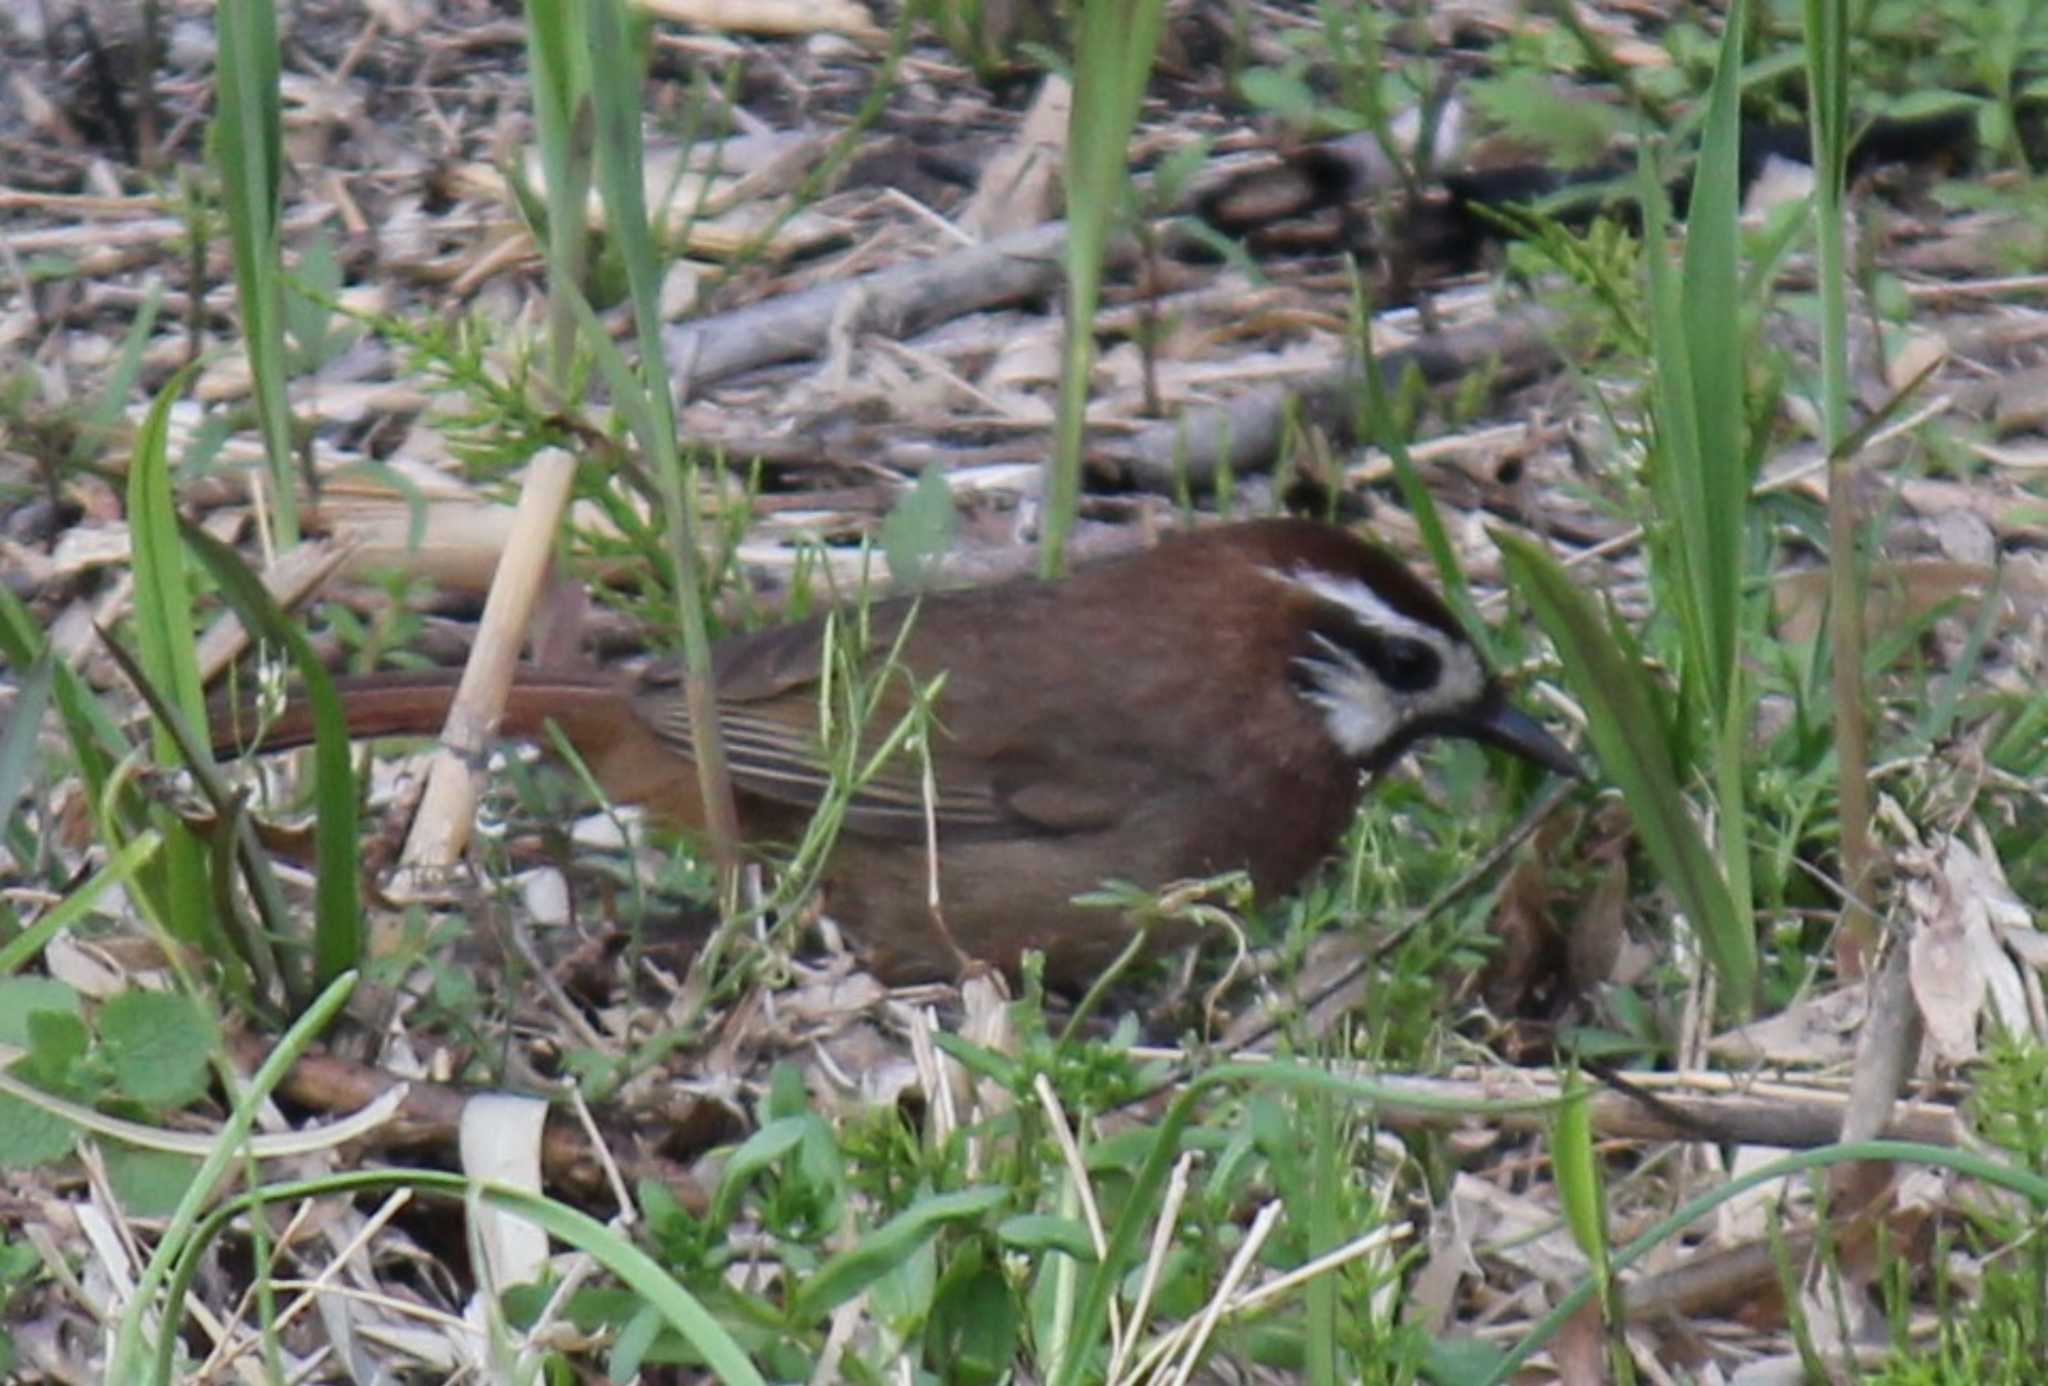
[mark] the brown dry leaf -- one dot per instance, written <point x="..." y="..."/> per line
<point x="1746" y="1218"/>
<point x="1947" y="983"/>
<point x="1780" y="181"/>
<point x="1594" y="944"/>
<point x="1630" y="52"/>
<point x="1518" y="1231"/>
<point x="401" y="17"/>
<point x="1526" y="964"/>
<point x="1542" y="966"/>
<point x="861" y="1067"/>
<point x="2011" y="521"/>
<point x="1900" y="594"/>
<point x="85" y="970"/>
<point x="1835" y="1298"/>
<point x="713" y="237"/>
<point x="2016" y="457"/>
<point x="1819" y="1032"/>
<point x="1922" y="352"/>
<point x="2021" y="402"/>
<point x="1331" y="955"/>
<point x="80" y="550"/>
<point x="1580" y="1348"/>
<point x="290" y="580"/>
<point x="1957" y="962"/>
<point x="2009" y="928"/>
<point x="828" y="998"/>
<point x="1020" y="187"/>
<point x="987" y="1023"/>
<point x="1432" y="1292"/>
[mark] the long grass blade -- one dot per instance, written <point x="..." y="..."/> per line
<point x="1628" y="734"/>
<point x="339" y="938"/>
<point x="248" y="148"/>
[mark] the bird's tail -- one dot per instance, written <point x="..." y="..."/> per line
<point x="416" y="703"/>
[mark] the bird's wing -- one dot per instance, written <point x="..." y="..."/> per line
<point x="993" y="775"/>
<point x="768" y="714"/>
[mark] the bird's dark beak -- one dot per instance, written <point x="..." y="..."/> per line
<point x="1508" y="727"/>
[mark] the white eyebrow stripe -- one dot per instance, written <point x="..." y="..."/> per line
<point x="1361" y="601"/>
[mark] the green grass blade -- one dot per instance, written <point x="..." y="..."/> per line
<point x="1114" y="45"/>
<point x="2025" y="1183"/>
<point x="1713" y="324"/>
<point x="339" y="937"/>
<point x="95" y="741"/>
<point x="169" y="659"/>
<point x="77" y="902"/>
<point x="1584" y="1198"/>
<point x="1828" y="83"/>
<point x="184" y="1228"/>
<point x="1710" y="317"/>
<point x="247" y="145"/>
<point x="561" y="113"/>
<point x="1141" y="1197"/>
<point x="1626" y="729"/>
<point x="615" y="1252"/>
<point x="878" y="1253"/>
<point x="163" y="589"/>
<point x="648" y="399"/>
<point x="110" y="406"/>
<point x="18" y="739"/>
<point x="1577" y="1174"/>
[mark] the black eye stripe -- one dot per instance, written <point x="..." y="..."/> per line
<point x="1402" y="662"/>
<point x="1405" y="664"/>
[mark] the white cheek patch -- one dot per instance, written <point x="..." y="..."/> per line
<point x="1363" y="712"/>
<point x="1462" y="681"/>
<point x="1356" y="706"/>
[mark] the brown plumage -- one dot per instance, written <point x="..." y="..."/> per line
<point x="1213" y="703"/>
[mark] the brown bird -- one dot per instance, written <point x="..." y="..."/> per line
<point x="1213" y="703"/>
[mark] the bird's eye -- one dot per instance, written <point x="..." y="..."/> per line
<point x="1404" y="665"/>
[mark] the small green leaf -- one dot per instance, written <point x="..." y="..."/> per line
<point x="31" y="1136"/>
<point x="1928" y="102"/>
<point x="760" y="1151"/>
<point x="999" y="1069"/>
<point x="319" y="335"/>
<point x="158" y="1044"/>
<point x="56" y="1042"/>
<point x="1529" y="105"/>
<point x="18" y="1262"/>
<point x="1994" y="126"/>
<point x="973" y="1333"/>
<point x="1283" y="94"/>
<point x="22" y="997"/>
<point x="919" y="530"/>
<point x="149" y="1183"/>
<point x="1462" y="1362"/>
<point x="850" y="1272"/>
<point x="629" y="1349"/>
<point x="787" y="1095"/>
<point x="1044" y="1232"/>
<point x="900" y="1299"/>
<point x="1177" y="171"/>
